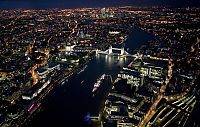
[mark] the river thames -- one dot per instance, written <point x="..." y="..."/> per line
<point x="68" y="103"/>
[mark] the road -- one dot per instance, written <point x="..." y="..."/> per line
<point x="153" y="109"/>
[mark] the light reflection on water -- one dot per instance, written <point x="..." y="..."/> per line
<point x="68" y="104"/>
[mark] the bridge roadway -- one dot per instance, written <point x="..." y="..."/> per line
<point x="123" y="53"/>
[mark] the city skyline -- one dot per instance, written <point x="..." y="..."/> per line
<point x="37" y="4"/>
<point x="99" y="63"/>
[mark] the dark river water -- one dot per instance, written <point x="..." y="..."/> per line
<point x="67" y="104"/>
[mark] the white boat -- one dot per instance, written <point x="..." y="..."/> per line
<point x="83" y="69"/>
<point x="98" y="84"/>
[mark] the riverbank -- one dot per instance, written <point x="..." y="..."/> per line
<point x="55" y="83"/>
<point x="69" y="104"/>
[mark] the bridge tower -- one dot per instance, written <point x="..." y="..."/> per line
<point x="122" y="51"/>
<point x="97" y="51"/>
<point x="110" y="50"/>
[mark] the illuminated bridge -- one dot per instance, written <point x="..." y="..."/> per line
<point x="120" y="52"/>
<point x="110" y="51"/>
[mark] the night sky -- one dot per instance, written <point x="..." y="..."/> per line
<point x="6" y="4"/>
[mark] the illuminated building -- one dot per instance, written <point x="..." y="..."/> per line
<point x="123" y="123"/>
<point x="35" y="90"/>
<point x="133" y="77"/>
<point x="44" y="71"/>
<point x="151" y="71"/>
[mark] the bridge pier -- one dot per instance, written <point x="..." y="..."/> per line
<point x="122" y="51"/>
<point x="97" y="51"/>
<point x="110" y="50"/>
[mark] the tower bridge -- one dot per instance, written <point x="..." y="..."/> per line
<point x="122" y="53"/>
<point x="110" y="51"/>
